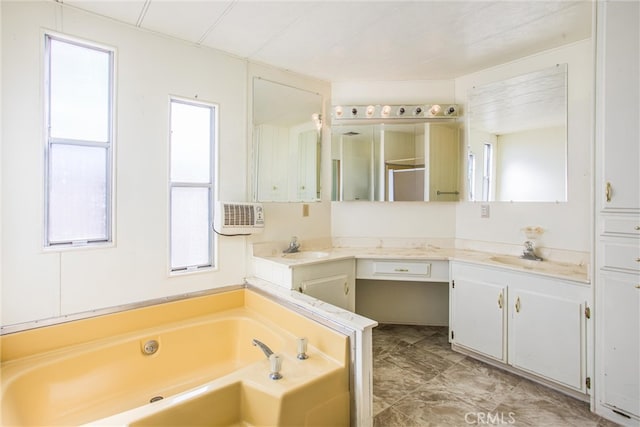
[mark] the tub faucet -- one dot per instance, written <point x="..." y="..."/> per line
<point x="293" y="247"/>
<point x="265" y="349"/>
<point x="530" y="252"/>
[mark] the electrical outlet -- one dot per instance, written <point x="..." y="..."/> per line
<point x="484" y="211"/>
<point x="305" y="209"/>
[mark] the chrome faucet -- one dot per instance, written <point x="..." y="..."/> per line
<point x="293" y="247"/>
<point x="265" y="349"/>
<point x="530" y="252"/>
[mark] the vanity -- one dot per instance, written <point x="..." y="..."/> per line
<point x="529" y="317"/>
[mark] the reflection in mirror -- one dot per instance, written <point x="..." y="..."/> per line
<point x="517" y="138"/>
<point x="395" y="162"/>
<point x="287" y="126"/>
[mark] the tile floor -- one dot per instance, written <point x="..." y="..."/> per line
<point x="419" y="381"/>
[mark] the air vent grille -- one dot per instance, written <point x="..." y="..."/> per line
<point x="235" y="215"/>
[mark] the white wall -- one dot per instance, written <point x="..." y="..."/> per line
<point x="531" y="165"/>
<point x="567" y="225"/>
<point x="150" y="67"/>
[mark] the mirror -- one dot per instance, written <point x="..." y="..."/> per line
<point x="517" y="138"/>
<point x="287" y="131"/>
<point x="395" y="162"/>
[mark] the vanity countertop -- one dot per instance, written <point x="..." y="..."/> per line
<point x="560" y="270"/>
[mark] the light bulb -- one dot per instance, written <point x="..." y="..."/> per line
<point x="435" y="110"/>
<point x="338" y="111"/>
<point x="370" y="110"/>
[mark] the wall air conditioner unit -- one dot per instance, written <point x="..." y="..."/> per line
<point x="238" y="218"/>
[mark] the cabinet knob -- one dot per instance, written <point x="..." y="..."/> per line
<point x="300" y="289"/>
<point x="637" y="227"/>
<point x="637" y="286"/>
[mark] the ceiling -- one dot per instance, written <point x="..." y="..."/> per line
<point x="362" y="40"/>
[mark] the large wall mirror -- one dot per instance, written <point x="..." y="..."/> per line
<point x="395" y="162"/>
<point x="287" y="126"/>
<point x="517" y="138"/>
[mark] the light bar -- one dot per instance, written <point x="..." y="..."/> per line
<point x="394" y="112"/>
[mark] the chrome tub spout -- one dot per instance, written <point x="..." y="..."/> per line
<point x="265" y="349"/>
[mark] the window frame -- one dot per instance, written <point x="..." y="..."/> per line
<point x="109" y="145"/>
<point x="211" y="186"/>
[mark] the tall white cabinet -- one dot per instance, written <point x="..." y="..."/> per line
<point x="617" y="242"/>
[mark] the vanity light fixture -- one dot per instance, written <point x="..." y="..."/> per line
<point x="410" y="113"/>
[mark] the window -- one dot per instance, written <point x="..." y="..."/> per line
<point x="79" y="146"/>
<point x="471" y="176"/>
<point x="487" y="172"/>
<point x="192" y="139"/>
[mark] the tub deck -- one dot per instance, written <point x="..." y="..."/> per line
<point x="110" y="380"/>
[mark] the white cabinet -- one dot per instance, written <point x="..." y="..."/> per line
<point x="546" y="336"/>
<point x="532" y="323"/>
<point x="331" y="281"/>
<point x="619" y="350"/>
<point x="272" y="163"/>
<point x="617" y="241"/>
<point x="480" y="316"/>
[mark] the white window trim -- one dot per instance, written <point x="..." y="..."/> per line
<point x="212" y="186"/>
<point x="45" y="35"/>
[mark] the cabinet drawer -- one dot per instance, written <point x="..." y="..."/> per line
<point x="621" y="256"/>
<point x="397" y="269"/>
<point x="402" y="267"/>
<point x="628" y="226"/>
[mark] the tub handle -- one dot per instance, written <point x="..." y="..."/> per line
<point x="276" y="366"/>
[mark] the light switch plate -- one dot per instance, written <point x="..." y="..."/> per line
<point x="484" y="211"/>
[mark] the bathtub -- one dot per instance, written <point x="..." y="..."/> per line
<point x="205" y="371"/>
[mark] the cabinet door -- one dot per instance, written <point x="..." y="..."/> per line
<point x="479" y="316"/>
<point x="546" y="336"/>
<point x="334" y="290"/>
<point x="619" y="317"/>
<point x="617" y="106"/>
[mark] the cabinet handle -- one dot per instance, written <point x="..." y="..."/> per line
<point x="500" y="300"/>
<point x="300" y="289"/>
<point x="608" y="191"/>
<point x="401" y="270"/>
<point x="518" y="305"/>
<point x="346" y="288"/>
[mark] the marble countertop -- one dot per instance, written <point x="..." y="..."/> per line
<point x="556" y="269"/>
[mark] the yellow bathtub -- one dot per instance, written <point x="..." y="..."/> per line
<point x="205" y="370"/>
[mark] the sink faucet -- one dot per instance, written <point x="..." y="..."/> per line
<point x="265" y="349"/>
<point x="530" y="252"/>
<point x="293" y="247"/>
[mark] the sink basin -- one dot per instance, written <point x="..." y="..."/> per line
<point x="306" y="255"/>
<point x="518" y="262"/>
